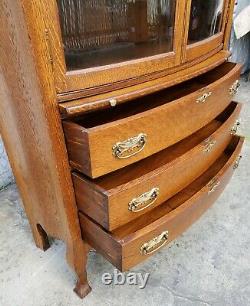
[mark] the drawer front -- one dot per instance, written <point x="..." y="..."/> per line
<point x="128" y="249"/>
<point x="120" y="205"/>
<point x="102" y="149"/>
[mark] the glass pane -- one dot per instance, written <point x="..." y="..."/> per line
<point x="205" y="19"/>
<point x="97" y="33"/>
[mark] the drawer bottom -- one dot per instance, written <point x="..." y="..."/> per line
<point x="134" y="242"/>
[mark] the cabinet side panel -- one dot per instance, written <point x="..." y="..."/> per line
<point x="31" y="127"/>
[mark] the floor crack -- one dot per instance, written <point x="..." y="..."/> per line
<point x="189" y="298"/>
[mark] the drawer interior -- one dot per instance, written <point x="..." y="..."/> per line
<point x="181" y="197"/>
<point x="139" y="105"/>
<point x="132" y="172"/>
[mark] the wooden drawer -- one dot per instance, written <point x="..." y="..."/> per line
<point x="101" y="142"/>
<point x="114" y="199"/>
<point x="136" y="241"/>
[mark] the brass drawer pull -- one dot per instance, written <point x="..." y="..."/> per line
<point x="234" y="88"/>
<point x="204" y="97"/>
<point x="155" y="244"/>
<point x="237" y="162"/>
<point x="130" y="147"/>
<point x="234" y="129"/>
<point x="209" y="143"/>
<point x="212" y="185"/>
<point x="143" y="201"/>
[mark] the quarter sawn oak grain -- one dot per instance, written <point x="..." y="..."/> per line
<point x="165" y="118"/>
<point x="122" y="247"/>
<point x="156" y="95"/>
<point x="106" y="199"/>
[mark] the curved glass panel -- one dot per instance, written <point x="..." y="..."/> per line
<point x="97" y="33"/>
<point x="205" y="19"/>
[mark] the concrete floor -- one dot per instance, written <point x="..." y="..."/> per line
<point x="208" y="265"/>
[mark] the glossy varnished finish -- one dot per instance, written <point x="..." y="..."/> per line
<point x="135" y="89"/>
<point x="228" y="27"/>
<point x="32" y="133"/>
<point x="106" y="200"/>
<point x="104" y="77"/>
<point x="177" y="116"/>
<point x="123" y="246"/>
<point x="213" y="42"/>
<point x="126" y="30"/>
<point x="36" y="79"/>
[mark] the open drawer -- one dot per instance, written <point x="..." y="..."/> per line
<point x="117" y="198"/>
<point x="101" y="142"/>
<point x="137" y="240"/>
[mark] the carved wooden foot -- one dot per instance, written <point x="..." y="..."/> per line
<point x="40" y="237"/>
<point x="77" y="253"/>
<point x="82" y="288"/>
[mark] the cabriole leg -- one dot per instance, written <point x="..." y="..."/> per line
<point x="77" y="254"/>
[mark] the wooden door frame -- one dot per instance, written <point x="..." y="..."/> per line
<point x="32" y="132"/>
<point x="214" y="43"/>
<point x="79" y="83"/>
<point x="78" y="80"/>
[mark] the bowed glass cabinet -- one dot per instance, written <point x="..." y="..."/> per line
<point x="118" y="119"/>
<point x="112" y="41"/>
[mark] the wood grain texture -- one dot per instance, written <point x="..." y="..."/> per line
<point x="33" y="78"/>
<point x="92" y="200"/>
<point x="104" y="78"/>
<point x="212" y="43"/>
<point x="106" y="199"/>
<point x="99" y="76"/>
<point x="77" y="106"/>
<point x="32" y="132"/>
<point x="78" y="145"/>
<point x="171" y="119"/>
<point x="122" y="247"/>
<point x="229" y="22"/>
<point x="200" y="48"/>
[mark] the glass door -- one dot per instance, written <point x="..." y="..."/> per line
<point x="206" y="26"/>
<point x="104" y="32"/>
<point x="107" y="41"/>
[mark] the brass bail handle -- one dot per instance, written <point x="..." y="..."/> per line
<point x="144" y="201"/>
<point x="234" y="88"/>
<point x="209" y="143"/>
<point x="203" y="98"/>
<point x="234" y="129"/>
<point x="237" y="162"/>
<point x="130" y="147"/>
<point x="155" y="244"/>
<point x="213" y="185"/>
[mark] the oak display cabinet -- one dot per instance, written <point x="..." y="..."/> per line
<point x="119" y="120"/>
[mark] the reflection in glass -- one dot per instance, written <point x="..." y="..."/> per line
<point x="97" y="33"/>
<point x="205" y="19"/>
